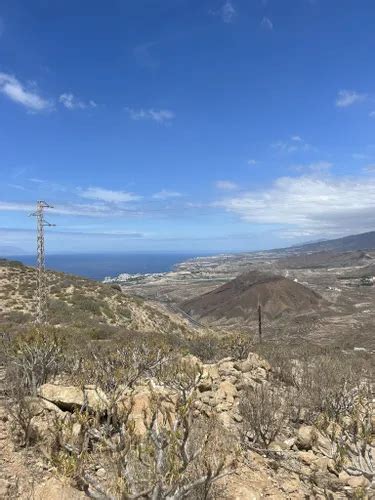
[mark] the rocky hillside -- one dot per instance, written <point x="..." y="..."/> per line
<point x="242" y="428"/>
<point x="363" y="241"/>
<point x="237" y="301"/>
<point x="79" y="302"/>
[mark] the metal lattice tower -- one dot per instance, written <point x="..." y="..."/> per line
<point x="42" y="291"/>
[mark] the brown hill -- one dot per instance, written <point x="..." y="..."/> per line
<point x="325" y="259"/>
<point x="238" y="299"/>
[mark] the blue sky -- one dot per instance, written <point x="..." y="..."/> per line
<point x="183" y="125"/>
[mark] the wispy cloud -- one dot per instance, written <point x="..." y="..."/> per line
<point x="17" y="186"/>
<point x="71" y="102"/>
<point x="27" y="96"/>
<point x="159" y="116"/>
<point x="6" y="206"/>
<point x="252" y="162"/>
<point x="315" y="167"/>
<point x="267" y="24"/>
<point x="46" y="185"/>
<point x="107" y="195"/>
<point x="296" y="138"/>
<point x="165" y="194"/>
<point x="103" y="209"/>
<point x="372" y="114"/>
<point x="346" y="98"/>
<point x="310" y="205"/>
<point x="226" y="12"/>
<point x="226" y="185"/>
<point x="295" y="143"/>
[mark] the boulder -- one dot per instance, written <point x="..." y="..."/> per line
<point x="70" y="397"/>
<point x="308" y="437"/>
<point x="211" y="371"/>
<point x="253" y="362"/>
<point x="305" y="436"/>
<point x="191" y="361"/>
<point x="307" y="457"/>
<point x="65" y="397"/>
<point x="358" y="482"/>
<point x="140" y="411"/>
<point x="226" y="392"/>
<point x="353" y="481"/>
<point x="139" y="406"/>
<point x="227" y="369"/>
<point x="39" y="406"/>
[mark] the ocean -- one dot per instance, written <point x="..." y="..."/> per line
<point x="98" y="266"/>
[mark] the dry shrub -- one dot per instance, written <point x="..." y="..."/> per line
<point x="180" y="454"/>
<point x="265" y="412"/>
<point x="20" y="409"/>
<point x="32" y="359"/>
<point x="211" y="347"/>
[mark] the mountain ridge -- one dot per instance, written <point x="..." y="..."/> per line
<point x="360" y="241"/>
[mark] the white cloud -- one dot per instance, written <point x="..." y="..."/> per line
<point x="266" y="24"/>
<point x="71" y="102"/>
<point x="165" y="194"/>
<point x="347" y="98"/>
<point x="252" y="162"/>
<point x="228" y="12"/>
<point x="159" y="116"/>
<point x="226" y="185"/>
<point x="296" y="138"/>
<point x="372" y="114"/>
<point x="107" y="195"/>
<point x="17" y="92"/>
<point x="310" y="205"/>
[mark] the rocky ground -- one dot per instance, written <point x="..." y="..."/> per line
<point x="301" y="462"/>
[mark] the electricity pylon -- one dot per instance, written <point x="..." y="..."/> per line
<point x="42" y="292"/>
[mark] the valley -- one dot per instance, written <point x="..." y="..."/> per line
<point x="342" y="278"/>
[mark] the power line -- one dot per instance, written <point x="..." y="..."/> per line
<point x="42" y="291"/>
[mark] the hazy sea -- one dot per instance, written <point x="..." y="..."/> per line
<point x="98" y="266"/>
